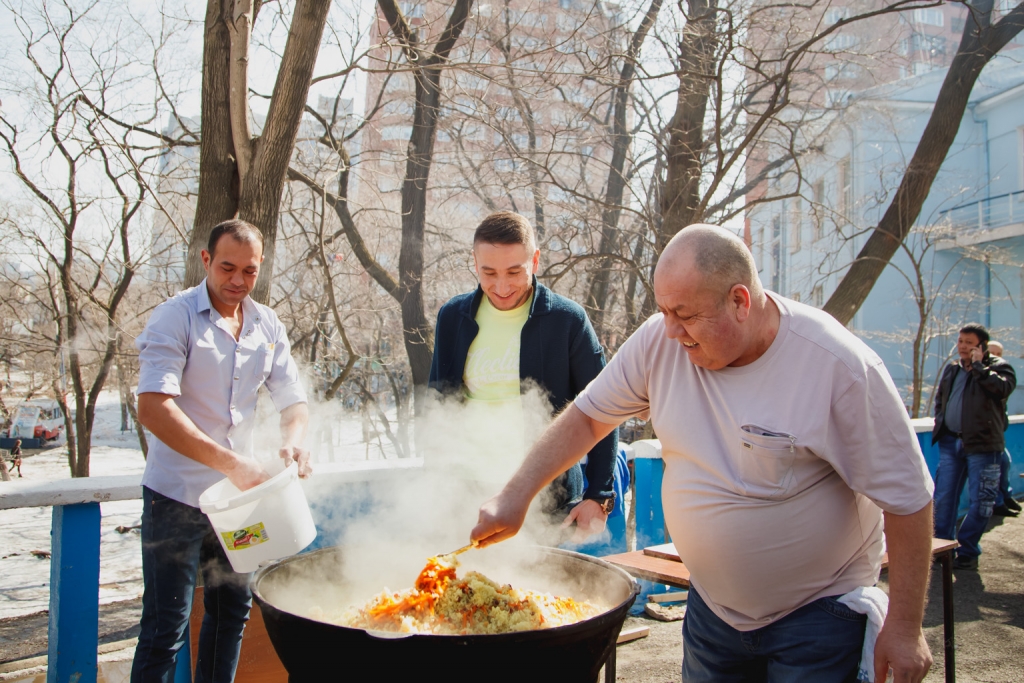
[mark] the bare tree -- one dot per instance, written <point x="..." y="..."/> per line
<point x="240" y="174"/>
<point x="81" y="204"/>
<point x="982" y="39"/>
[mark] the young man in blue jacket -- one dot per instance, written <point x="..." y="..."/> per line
<point x="493" y="343"/>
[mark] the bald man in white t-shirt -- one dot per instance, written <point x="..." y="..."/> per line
<point x="786" y="445"/>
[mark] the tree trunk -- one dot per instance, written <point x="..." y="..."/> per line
<point x="218" y="174"/>
<point x="598" y="295"/>
<point x="979" y="44"/>
<point x="258" y="198"/>
<point x="417" y="331"/>
<point x="261" y="193"/>
<point x="680" y="203"/>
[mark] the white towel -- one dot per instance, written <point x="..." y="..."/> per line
<point x="873" y="602"/>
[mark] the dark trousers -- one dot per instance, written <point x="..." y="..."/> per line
<point x="820" y="642"/>
<point x="177" y="539"/>
<point x="980" y="471"/>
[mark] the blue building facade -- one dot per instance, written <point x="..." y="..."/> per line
<point x="964" y="260"/>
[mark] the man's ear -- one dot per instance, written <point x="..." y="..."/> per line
<point x="207" y="257"/>
<point x="740" y="300"/>
<point x="535" y="263"/>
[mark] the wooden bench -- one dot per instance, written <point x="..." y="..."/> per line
<point x="661" y="564"/>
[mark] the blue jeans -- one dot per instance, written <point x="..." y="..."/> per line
<point x="820" y="642"/>
<point x="981" y="473"/>
<point x="1004" y="478"/>
<point x="176" y="540"/>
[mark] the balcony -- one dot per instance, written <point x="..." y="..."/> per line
<point x="985" y="220"/>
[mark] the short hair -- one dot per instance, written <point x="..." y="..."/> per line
<point x="722" y="258"/>
<point x="243" y="231"/>
<point x="979" y="330"/>
<point x="505" y="227"/>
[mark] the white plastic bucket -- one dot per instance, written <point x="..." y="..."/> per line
<point x="266" y="522"/>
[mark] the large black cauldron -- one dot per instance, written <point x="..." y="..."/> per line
<point x="315" y="651"/>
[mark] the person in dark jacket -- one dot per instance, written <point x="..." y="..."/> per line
<point x="511" y="332"/>
<point x="970" y="418"/>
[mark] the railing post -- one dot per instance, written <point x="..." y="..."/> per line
<point x="183" y="660"/>
<point x="74" y="593"/>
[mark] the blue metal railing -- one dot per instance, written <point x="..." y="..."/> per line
<point x="988" y="213"/>
<point x="75" y="550"/>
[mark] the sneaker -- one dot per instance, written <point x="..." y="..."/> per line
<point x="1003" y="511"/>
<point x="1011" y="504"/>
<point x="964" y="562"/>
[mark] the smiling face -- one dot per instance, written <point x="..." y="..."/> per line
<point x="231" y="272"/>
<point x="505" y="272"/>
<point x="708" y="324"/>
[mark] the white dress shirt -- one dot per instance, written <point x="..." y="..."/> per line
<point x="186" y="351"/>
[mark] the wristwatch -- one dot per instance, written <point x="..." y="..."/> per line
<point x="607" y="504"/>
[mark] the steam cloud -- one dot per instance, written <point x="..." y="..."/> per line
<point x="390" y="524"/>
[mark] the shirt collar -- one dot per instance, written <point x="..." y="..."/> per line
<point x="204" y="297"/>
<point x="250" y="313"/>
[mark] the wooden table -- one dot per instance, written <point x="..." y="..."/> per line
<point x="661" y="564"/>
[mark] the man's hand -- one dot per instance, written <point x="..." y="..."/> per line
<point x="299" y="455"/>
<point x="245" y="473"/>
<point x="900" y="644"/>
<point x="590" y="520"/>
<point x="977" y="354"/>
<point x="500" y="518"/>
<point x="902" y="647"/>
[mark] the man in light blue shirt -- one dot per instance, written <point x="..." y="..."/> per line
<point x="203" y="357"/>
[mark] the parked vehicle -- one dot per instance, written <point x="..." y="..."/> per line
<point x="38" y="420"/>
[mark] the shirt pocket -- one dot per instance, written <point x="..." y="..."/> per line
<point x="766" y="460"/>
<point x="264" y="362"/>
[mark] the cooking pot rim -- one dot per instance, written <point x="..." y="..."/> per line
<point x="270" y="567"/>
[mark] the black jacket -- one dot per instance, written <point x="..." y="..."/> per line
<point x="990" y="382"/>
<point x="558" y="349"/>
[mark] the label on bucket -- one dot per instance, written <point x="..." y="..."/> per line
<point x="245" y="538"/>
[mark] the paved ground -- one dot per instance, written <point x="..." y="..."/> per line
<point x="989" y="608"/>
<point x="23" y="637"/>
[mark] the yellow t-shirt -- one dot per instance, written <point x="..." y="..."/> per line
<point x="492" y="364"/>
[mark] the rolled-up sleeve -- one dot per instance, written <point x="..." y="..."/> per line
<point x="871" y="444"/>
<point x="284" y="383"/>
<point x="620" y="391"/>
<point x="163" y="349"/>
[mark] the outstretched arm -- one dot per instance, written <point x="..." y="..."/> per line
<point x="571" y="435"/>
<point x="901" y="644"/>
<point x="162" y="416"/>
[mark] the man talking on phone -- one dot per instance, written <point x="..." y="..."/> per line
<point x="970" y="418"/>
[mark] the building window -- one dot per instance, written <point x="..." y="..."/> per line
<point x="845" y="184"/>
<point x="776" y="254"/>
<point x="929" y="17"/>
<point x="1020" y="156"/>
<point x="818" y="211"/>
<point x="817" y="297"/>
<point x="836" y="14"/>
<point x="840" y="41"/>
<point x="795" y="224"/>
<point x="412" y="10"/>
